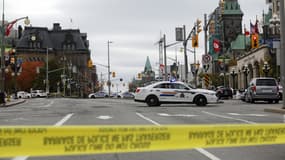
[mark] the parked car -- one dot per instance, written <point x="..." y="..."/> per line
<point x="114" y="95"/>
<point x="224" y="92"/>
<point x="174" y="92"/>
<point x="100" y="94"/>
<point x="38" y="93"/>
<point x="126" y="95"/>
<point x="23" y="94"/>
<point x="242" y="95"/>
<point x="263" y="89"/>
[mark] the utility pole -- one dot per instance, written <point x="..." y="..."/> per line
<point x="109" y="81"/>
<point x="185" y="54"/>
<point x="165" y="58"/>
<point x="205" y="32"/>
<point x="282" y="27"/>
<point x="47" y="79"/>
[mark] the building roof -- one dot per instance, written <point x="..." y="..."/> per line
<point x="240" y="42"/>
<point x="147" y="67"/>
<point x="54" y="38"/>
<point x="232" y="7"/>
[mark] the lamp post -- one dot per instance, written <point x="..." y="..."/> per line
<point x="266" y="68"/>
<point x="47" y="79"/>
<point x="233" y="74"/>
<point x="245" y="71"/>
<point x="109" y="82"/>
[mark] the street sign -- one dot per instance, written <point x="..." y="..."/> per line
<point x="206" y="58"/>
<point x="179" y="34"/>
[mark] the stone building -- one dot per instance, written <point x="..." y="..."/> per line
<point x="69" y="47"/>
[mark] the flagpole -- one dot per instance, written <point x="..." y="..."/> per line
<point x="244" y="38"/>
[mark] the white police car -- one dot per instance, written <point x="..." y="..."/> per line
<point x="174" y="92"/>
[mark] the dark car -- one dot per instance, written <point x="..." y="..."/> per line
<point x="224" y="92"/>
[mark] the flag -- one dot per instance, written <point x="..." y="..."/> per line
<point x="9" y="27"/>
<point x="252" y="28"/>
<point x="161" y="67"/>
<point x="217" y="45"/>
<point x="256" y="27"/>
<point x="246" y="32"/>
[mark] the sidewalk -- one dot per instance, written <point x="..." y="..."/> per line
<point x="13" y="102"/>
<point x="275" y="109"/>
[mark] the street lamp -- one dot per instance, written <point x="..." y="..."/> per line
<point x="47" y="79"/>
<point x="109" y="82"/>
<point x="233" y="74"/>
<point x="266" y="68"/>
<point x="245" y="71"/>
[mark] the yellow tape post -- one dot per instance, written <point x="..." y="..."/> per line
<point x="71" y="140"/>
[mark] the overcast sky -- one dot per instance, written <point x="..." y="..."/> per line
<point x="134" y="26"/>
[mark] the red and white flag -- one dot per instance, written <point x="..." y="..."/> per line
<point x="217" y="45"/>
<point x="9" y="27"/>
<point x="246" y="32"/>
<point x="161" y="67"/>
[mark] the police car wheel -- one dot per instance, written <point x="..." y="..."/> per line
<point x="201" y="101"/>
<point x="152" y="101"/>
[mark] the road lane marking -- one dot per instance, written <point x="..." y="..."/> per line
<point x="201" y="150"/>
<point x="59" y="123"/>
<point x="208" y="154"/>
<point x="176" y="115"/>
<point x="227" y="117"/>
<point x="253" y="115"/>
<point x="148" y="119"/>
<point x="106" y="117"/>
<point x="63" y="120"/>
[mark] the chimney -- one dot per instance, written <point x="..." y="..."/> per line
<point x="56" y="27"/>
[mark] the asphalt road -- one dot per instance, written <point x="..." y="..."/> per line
<point x="127" y="112"/>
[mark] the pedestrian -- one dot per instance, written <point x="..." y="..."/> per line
<point x="2" y="99"/>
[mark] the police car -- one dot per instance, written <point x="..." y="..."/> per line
<point x="174" y="92"/>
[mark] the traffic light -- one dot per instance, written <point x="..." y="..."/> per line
<point x="90" y="64"/>
<point x="113" y="74"/>
<point x="195" y="41"/>
<point x="199" y="27"/>
<point x="254" y="41"/>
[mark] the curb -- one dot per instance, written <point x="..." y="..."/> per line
<point x="281" y="111"/>
<point x="14" y="103"/>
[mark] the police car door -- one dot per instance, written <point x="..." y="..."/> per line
<point x="183" y="93"/>
<point x="166" y="94"/>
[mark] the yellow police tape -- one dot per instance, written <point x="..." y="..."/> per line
<point x="71" y="140"/>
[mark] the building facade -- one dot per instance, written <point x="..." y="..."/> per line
<point x="67" y="47"/>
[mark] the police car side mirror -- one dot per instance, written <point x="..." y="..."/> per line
<point x="186" y="88"/>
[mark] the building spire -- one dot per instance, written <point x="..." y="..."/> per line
<point x="147" y="67"/>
